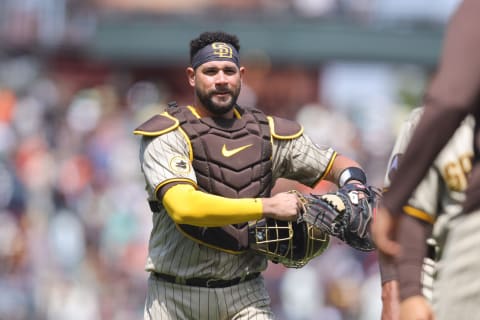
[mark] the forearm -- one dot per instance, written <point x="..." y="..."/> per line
<point x="390" y="300"/>
<point x="390" y="294"/>
<point x="339" y="165"/>
<point x="388" y="271"/>
<point x="412" y="235"/>
<point x="186" y="205"/>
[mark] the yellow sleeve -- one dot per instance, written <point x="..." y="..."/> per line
<point x="189" y="206"/>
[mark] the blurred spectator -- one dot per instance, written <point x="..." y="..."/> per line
<point x="319" y="123"/>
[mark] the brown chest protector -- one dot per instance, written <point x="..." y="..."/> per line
<point x="231" y="158"/>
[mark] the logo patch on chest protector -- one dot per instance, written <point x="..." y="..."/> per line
<point x="180" y="165"/>
<point x="228" y="153"/>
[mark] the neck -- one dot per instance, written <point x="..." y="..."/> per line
<point x="204" y="112"/>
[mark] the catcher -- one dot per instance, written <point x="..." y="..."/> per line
<point x="345" y="214"/>
<point x="209" y="169"/>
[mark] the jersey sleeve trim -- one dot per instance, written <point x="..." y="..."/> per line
<point x="329" y="167"/>
<point x="419" y="214"/>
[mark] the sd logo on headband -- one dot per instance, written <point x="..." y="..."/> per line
<point x="222" y="50"/>
<point x="216" y="51"/>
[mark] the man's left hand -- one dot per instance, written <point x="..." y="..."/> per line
<point x="416" y="308"/>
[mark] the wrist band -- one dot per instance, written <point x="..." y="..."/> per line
<point x="352" y="173"/>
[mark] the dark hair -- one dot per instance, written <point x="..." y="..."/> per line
<point x="207" y="38"/>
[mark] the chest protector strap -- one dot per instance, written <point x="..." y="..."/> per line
<point x="231" y="158"/>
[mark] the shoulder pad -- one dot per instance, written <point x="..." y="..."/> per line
<point x="284" y="129"/>
<point x="157" y="125"/>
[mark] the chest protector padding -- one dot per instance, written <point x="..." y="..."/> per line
<point x="231" y="158"/>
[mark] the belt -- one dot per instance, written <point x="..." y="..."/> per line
<point x="205" y="282"/>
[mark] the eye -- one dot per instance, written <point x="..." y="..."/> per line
<point x="210" y="71"/>
<point x="230" y="71"/>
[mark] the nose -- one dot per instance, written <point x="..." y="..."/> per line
<point x="221" y="78"/>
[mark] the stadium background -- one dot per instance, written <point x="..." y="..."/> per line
<point x="77" y="76"/>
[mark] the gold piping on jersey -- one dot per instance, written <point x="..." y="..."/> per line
<point x="157" y="133"/>
<point x="207" y="244"/>
<point x="419" y="214"/>
<point x="329" y="167"/>
<point x="271" y="123"/>
<point x="160" y="185"/>
<point x="327" y="170"/>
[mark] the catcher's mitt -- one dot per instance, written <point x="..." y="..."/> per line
<point x="345" y="214"/>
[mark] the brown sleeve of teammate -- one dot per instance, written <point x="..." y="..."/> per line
<point x="453" y="92"/>
<point x="386" y="264"/>
<point x="412" y="236"/>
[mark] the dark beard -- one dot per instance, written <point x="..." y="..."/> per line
<point x="216" y="109"/>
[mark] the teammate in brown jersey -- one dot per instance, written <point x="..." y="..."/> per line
<point x="453" y="93"/>
<point x="435" y="203"/>
<point x="209" y="168"/>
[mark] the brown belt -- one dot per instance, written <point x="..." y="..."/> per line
<point x="205" y="282"/>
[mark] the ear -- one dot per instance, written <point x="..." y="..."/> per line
<point x="242" y="72"/>
<point x="191" y="76"/>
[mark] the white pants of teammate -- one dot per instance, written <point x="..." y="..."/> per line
<point x="456" y="292"/>
<point x="245" y="301"/>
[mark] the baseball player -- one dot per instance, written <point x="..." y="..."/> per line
<point x="209" y="169"/>
<point x="435" y="203"/>
<point x="452" y="94"/>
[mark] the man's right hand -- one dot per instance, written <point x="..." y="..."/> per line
<point x="282" y="206"/>
<point x="417" y="308"/>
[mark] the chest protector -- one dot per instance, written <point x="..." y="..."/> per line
<point x="231" y="158"/>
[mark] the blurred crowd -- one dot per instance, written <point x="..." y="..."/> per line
<point x="367" y="9"/>
<point x="74" y="221"/>
<point x="52" y="23"/>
